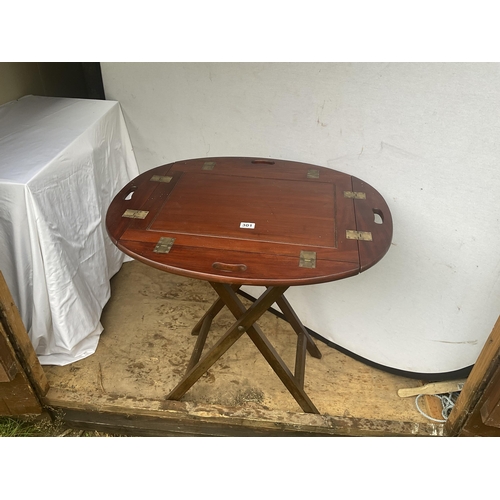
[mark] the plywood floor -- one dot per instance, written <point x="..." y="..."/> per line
<point x="147" y="342"/>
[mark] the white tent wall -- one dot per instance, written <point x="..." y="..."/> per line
<point x="425" y="135"/>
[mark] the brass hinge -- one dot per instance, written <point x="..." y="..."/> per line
<point x="208" y="165"/>
<point x="307" y="259"/>
<point x="135" y="214"/>
<point x="355" y="195"/>
<point x="161" y="178"/>
<point x="358" y="235"/>
<point x="313" y="173"/>
<point x="164" y="245"/>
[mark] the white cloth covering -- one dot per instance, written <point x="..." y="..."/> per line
<point x="61" y="163"/>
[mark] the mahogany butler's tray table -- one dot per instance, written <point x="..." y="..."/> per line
<point x="245" y="221"/>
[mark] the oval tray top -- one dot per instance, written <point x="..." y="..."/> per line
<point x="251" y="221"/>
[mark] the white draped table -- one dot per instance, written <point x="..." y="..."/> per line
<point x="61" y="163"/>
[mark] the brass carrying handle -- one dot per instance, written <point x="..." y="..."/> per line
<point x="221" y="266"/>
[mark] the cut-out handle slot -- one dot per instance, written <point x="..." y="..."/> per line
<point x="130" y="193"/>
<point x="229" y="268"/>
<point x="263" y="162"/>
<point x="378" y="216"/>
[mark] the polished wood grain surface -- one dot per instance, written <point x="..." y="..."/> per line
<point x="247" y="220"/>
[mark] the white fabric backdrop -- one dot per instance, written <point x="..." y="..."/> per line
<point x="61" y="163"/>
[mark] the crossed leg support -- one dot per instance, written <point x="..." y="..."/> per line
<point x="245" y="322"/>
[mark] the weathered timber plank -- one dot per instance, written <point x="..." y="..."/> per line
<point x="16" y="394"/>
<point x="490" y="408"/>
<point x="120" y="414"/>
<point x="433" y="388"/>
<point x="476" y="383"/>
<point x="18" y="337"/>
<point x="4" y="375"/>
<point x="17" y="398"/>
<point x="476" y="424"/>
<point x="8" y="362"/>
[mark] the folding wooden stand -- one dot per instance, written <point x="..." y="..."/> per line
<point x="246" y="322"/>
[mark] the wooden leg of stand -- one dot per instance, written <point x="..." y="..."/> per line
<point x="200" y="343"/>
<point x="300" y="359"/>
<point x="244" y="322"/>
<point x="214" y="309"/>
<point x="297" y="325"/>
<point x="294" y="386"/>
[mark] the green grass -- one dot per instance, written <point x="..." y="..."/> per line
<point x="26" y="427"/>
<point x="41" y="426"/>
<point x="14" y="428"/>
